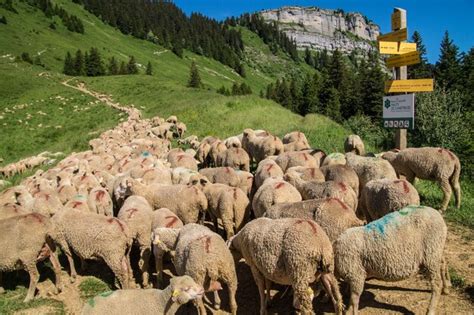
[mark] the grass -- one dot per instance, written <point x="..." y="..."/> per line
<point x="91" y="287"/>
<point x="11" y="302"/>
<point x="457" y="280"/>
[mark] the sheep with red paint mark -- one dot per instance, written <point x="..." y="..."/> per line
<point x="436" y="164"/>
<point x="163" y="218"/>
<point x="94" y="236"/>
<point x="137" y="213"/>
<point x="229" y="204"/>
<point x="273" y="191"/>
<point x="100" y="202"/>
<point x="382" y="196"/>
<point x="297" y="158"/>
<point x="341" y="173"/>
<point x="288" y="251"/>
<point x="354" y="144"/>
<point x="237" y="158"/>
<point x="393" y="248"/>
<point x="8" y="210"/>
<point x="267" y="168"/>
<point x="333" y="215"/>
<point x="307" y="173"/>
<point x="183" y="159"/>
<point x="188" y="202"/>
<point x="369" y="168"/>
<point x="25" y="241"/>
<point x="202" y="255"/>
<point x="317" y="190"/>
<point x="230" y="177"/>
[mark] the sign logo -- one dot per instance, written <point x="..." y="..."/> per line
<point x="387" y="103"/>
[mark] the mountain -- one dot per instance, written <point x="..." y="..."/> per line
<point x="325" y="29"/>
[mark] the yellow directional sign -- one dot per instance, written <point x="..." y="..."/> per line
<point x="396" y="36"/>
<point x="419" y="85"/>
<point x="407" y="59"/>
<point x="394" y="48"/>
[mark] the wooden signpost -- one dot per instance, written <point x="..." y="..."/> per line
<point x="399" y="111"/>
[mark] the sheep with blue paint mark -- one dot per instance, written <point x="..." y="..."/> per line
<point x="392" y="248"/>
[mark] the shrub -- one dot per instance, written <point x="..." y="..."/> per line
<point x="372" y="133"/>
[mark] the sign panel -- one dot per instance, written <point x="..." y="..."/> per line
<point x="396" y="20"/>
<point x="407" y="59"/>
<point x="399" y="111"/>
<point x="399" y="86"/>
<point x="397" y="36"/>
<point x="394" y="48"/>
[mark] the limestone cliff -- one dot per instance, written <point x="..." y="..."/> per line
<point x="325" y="29"/>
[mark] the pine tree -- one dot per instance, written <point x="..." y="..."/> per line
<point x="123" y="68"/>
<point x="149" y="69"/>
<point x="333" y="105"/>
<point x="79" y="68"/>
<point x="194" y="78"/>
<point x="310" y="94"/>
<point x="422" y="69"/>
<point x="468" y="80"/>
<point x="132" y="66"/>
<point x="94" y="65"/>
<point x="113" y="68"/>
<point x="372" y="86"/>
<point x="68" y="68"/>
<point x="236" y="89"/>
<point x="448" y="70"/>
<point x="308" y="58"/>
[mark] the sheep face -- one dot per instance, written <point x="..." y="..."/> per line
<point x="185" y="289"/>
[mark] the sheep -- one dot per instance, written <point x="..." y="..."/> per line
<point x="246" y="181"/>
<point x="65" y="190"/>
<point x="393" y="248"/>
<point x="236" y="158"/>
<point x="318" y="154"/>
<point x="273" y="191"/>
<point x="382" y="196"/>
<point x="288" y="251"/>
<point x="134" y="301"/>
<point x="188" y="140"/>
<point x="227" y="203"/>
<point x="217" y="147"/>
<point x="202" y="255"/>
<point x="187" y="202"/>
<point x="163" y="131"/>
<point x="202" y="154"/>
<point x="181" y="129"/>
<point x="334" y="159"/>
<point x="233" y="142"/>
<point x="369" y="168"/>
<point x="74" y="230"/>
<point x="354" y="144"/>
<point x="25" y="240"/>
<point x="295" y="141"/>
<point x="341" y="173"/>
<point x="182" y="175"/>
<point x="260" y="147"/>
<point x="333" y="215"/>
<point x="222" y="175"/>
<point x="100" y="202"/>
<point x="307" y="173"/>
<point x="163" y="218"/>
<point x="46" y="202"/>
<point x="8" y="210"/>
<point x="435" y="164"/>
<point x="298" y="158"/>
<point x="267" y="168"/>
<point x="136" y="212"/>
<point x="172" y="120"/>
<point x="183" y="160"/>
<point x="316" y="190"/>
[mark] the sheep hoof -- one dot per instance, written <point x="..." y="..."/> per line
<point x="217" y="306"/>
<point x="445" y="291"/>
<point x="73" y="279"/>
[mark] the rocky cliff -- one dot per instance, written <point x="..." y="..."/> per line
<point x="325" y="29"/>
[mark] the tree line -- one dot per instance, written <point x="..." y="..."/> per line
<point x="71" y="22"/>
<point x="268" y="32"/>
<point x="164" y="23"/>
<point x="91" y="64"/>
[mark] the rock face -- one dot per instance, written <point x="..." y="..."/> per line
<point x="325" y="29"/>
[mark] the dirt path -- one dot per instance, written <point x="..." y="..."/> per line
<point x="405" y="297"/>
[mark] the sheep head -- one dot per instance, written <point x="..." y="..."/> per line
<point x="165" y="238"/>
<point x="184" y="289"/>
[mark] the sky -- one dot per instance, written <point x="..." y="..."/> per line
<point x="431" y="18"/>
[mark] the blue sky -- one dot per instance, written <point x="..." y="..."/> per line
<point x="429" y="17"/>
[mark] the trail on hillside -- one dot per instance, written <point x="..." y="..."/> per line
<point x="130" y="111"/>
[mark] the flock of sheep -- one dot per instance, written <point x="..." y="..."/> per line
<point x="302" y="219"/>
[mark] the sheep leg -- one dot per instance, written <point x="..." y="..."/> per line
<point x="2" y="290"/>
<point x="332" y="289"/>
<point x="200" y="306"/>
<point x="143" y="263"/>
<point x="57" y="269"/>
<point x="260" y="281"/>
<point x="447" y="195"/>
<point x="71" y="263"/>
<point x="34" y="278"/>
<point x="435" y="277"/>
<point x="228" y="226"/>
<point x="217" y="300"/>
<point x="268" y="287"/>
<point x="457" y="190"/>
<point x="445" y="276"/>
<point x="356" y="287"/>
<point x="158" y="253"/>
<point x="232" y="286"/>
<point x="119" y="267"/>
